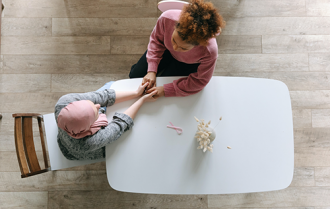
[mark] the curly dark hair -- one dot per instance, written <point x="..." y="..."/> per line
<point x="199" y="21"/>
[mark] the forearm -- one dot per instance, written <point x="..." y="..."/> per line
<point x="110" y="133"/>
<point x="122" y="96"/>
<point x="133" y="109"/>
<point x="192" y="84"/>
<point x="156" y="46"/>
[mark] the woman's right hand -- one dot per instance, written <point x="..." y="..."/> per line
<point x="149" y="97"/>
<point x="151" y="79"/>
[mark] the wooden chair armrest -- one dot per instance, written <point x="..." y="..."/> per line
<point x="26" y="115"/>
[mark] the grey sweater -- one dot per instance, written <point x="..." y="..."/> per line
<point x="93" y="146"/>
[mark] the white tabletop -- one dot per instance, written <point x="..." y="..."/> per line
<point x="256" y="123"/>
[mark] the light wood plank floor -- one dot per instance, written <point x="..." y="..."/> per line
<point x="53" y="47"/>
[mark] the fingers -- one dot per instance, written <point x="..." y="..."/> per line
<point x="144" y="80"/>
<point x="151" y="84"/>
<point x="153" y="93"/>
<point x="144" y="85"/>
<point x="151" y="90"/>
<point x="143" y="88"/>
<point x="151" y="97"/>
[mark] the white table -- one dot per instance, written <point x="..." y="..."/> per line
<point x="256" y="124"/>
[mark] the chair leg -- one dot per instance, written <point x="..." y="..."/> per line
<point x="0" y="116"/>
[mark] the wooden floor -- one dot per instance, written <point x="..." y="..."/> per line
<point x="53" y="47"/>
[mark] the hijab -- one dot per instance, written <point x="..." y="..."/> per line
<point x="78" y="119"/>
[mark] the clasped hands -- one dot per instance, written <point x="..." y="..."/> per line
<point x="150" y="78"/>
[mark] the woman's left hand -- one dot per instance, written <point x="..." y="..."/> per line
<point x="160" y="91"/>
<point x="141" y="89"/>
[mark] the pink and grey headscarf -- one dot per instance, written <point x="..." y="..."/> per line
<point x="77" y="119"/>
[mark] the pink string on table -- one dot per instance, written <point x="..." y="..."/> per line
<point x="178" y="129"/>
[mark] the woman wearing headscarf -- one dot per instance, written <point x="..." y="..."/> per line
<point x="182" y="44"/>
<point x="84" y="130"/>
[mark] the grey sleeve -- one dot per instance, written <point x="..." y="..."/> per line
<point x="120" y="123"/>
<point x="105" y="98"/>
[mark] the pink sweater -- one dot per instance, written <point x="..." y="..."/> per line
<point x="160" y="40"/>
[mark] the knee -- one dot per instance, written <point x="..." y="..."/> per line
<point x="138" y="71"/>
<point x="133" y="73"/>
<point x="130" y="75"/>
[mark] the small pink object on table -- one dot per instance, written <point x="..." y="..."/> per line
<point x="178" y="129"/>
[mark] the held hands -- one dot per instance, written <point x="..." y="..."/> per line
<point x="134" y="108"/>
<point x="151" y="79"/>
<point x="159" y="89"/>
<point x="148" y="97"/>
<point x="141" y="89"/>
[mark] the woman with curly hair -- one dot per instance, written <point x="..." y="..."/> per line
<point x="181" y="44"/>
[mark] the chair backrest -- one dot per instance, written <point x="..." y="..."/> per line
<point x="171" y="4"/>
<point x="25" y="147"/>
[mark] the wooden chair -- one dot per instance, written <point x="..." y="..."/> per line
<point x="171" y="4"/>
<point x="25" y="147"/>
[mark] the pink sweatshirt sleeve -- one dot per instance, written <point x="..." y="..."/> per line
<point x="156" y="45"/>
<point x="195" y="82"/>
